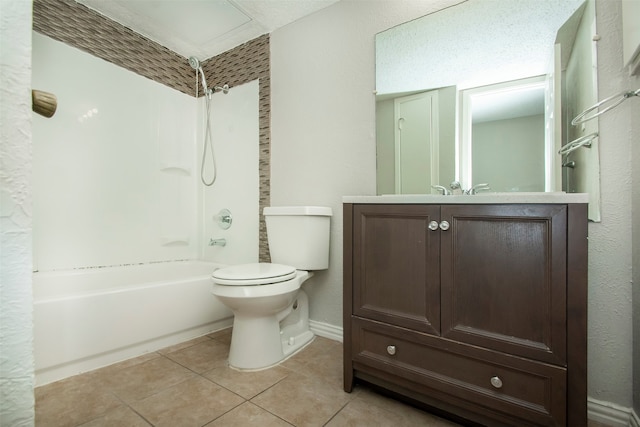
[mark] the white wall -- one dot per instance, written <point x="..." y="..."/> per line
<point x="323" y="147"/>
<point x="517" y="145"/>
<point x="16" y="298"/>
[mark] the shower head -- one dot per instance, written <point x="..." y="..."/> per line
<point x="193" y="61"/>
<point x="195" y="64"/>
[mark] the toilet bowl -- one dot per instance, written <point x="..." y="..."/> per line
<point x="259" y="303"/>
<point x="271" y="312"/>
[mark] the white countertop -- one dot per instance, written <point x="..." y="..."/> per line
<point x="482" y="198"/>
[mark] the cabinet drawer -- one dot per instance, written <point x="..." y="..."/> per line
<point x="530" y="390"/>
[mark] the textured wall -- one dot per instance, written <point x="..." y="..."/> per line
<point x="85" y="29"/>
<point x="16" y="301"/>
<point x="610" y="245"/>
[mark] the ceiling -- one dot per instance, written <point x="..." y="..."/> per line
<point x="204" y="28"/>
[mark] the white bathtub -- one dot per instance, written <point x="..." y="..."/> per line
<point x="89" y="318"/>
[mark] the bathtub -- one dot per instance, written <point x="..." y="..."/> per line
<point x="89" y="318"/>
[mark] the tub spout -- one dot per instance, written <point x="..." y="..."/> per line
<point x="218" y="242"/>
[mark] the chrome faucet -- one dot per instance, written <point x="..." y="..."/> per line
<point x="218" y="242"/>
<point x="441" y="189"/>
<point x="456" y="188"/>
<point x="476" y="188"/>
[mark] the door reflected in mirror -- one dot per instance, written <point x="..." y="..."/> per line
<point x="439" y="79"/>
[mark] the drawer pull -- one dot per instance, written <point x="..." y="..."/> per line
<point x="433" y="225"/>
<point x="391" y="349"/>
<point x="444" y="225"/>
<point x="496" y="382"/>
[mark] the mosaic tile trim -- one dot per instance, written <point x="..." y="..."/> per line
<point x="83" y="28"/>
<point x="78" y="26"/>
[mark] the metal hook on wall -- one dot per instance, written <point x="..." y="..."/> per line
<point x="614" y="101"/>
<point x="583" y="141"/>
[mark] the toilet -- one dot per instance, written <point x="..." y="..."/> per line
<point x="271" y="312"/>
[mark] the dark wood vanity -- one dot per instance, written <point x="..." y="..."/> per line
<point x="476" y="309"/>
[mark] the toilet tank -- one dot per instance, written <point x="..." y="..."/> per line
<point x="299" y="236"/>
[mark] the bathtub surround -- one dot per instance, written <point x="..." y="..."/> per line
<point x="76" y="25"/>
<point x="16" y="307"/>
<point x="234" y="124"/>
<point x="116" y="183"/>
<point x="115" y="170"/>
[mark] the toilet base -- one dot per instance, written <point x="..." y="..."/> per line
<point x="269" y="340"/>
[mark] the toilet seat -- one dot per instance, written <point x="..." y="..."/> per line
<point x="254" y="274"/>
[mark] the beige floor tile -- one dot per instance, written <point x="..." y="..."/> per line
<point x="119" y="417"/>
<point x="101" y="377"/>
<point x="302" y="400"/>
<point x="183" y="345"/>
<point x="322" y="358"/>
<point x="223" y="335"/>
<point x="248" y="414"/>
<point x="145" y="379"/>
<point x="203" y="356"/>
<point x="247" y="384"/>
<point x="371" y="409"/>
<point x="71" y="402"/>
<point x="191" y="403"/>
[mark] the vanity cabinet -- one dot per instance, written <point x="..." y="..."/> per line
<point x="476" y="309"/>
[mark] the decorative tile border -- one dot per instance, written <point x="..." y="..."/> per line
<point x="78" y="26"/>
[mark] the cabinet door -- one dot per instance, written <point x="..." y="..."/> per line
<point x="504" y="278"/>
<point x="396" y="273"/>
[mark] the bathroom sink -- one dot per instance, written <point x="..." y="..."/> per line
<point x="481" y="198"/>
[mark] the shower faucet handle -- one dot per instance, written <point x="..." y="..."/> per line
<point x="224" y="219"/>
<point x="217" y="242"/>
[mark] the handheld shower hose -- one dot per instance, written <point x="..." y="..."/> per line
<point x="195" y="64"/>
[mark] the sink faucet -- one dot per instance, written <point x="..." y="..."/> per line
<point x="476" y="188"/>
<point x="456" y="188"/>
<point x="441" y="189"/>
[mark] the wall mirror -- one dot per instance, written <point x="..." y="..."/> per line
<point x="484" y="92"/>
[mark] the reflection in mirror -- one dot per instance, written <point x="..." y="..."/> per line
<point x="504" y="124"/>
<point x="436" y="74"/>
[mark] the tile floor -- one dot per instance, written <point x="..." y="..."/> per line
<point x="190" y="385"/>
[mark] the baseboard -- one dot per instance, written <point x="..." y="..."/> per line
<point x="326" y="330"/>
<point x="611" y="414"/>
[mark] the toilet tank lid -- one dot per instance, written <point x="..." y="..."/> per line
<point x="298" y="210"/>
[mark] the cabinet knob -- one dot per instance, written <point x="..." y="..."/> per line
<point x="496" y="382"/>
<point x="433" y="225"/>
<point x="391" y="349"/>
<point x="444" y="225"/>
